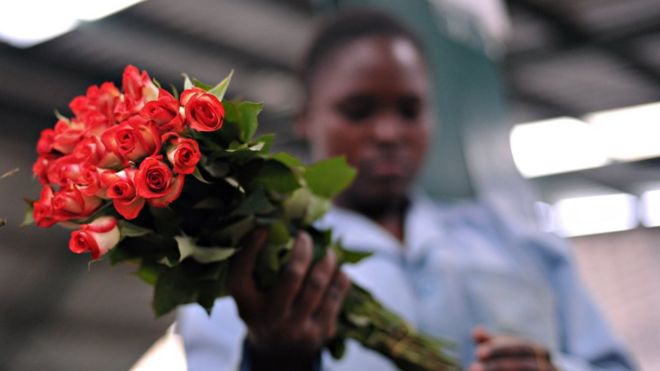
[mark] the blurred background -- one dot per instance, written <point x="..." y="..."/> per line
<point x="549" y="109"/>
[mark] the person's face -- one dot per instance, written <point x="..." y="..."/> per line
<point x="368" y="101"/>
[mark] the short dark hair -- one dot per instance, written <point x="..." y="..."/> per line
<point x="345" y="27"/>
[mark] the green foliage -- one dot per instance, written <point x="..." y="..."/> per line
<point x="244" y="114"/>
<point x="29" y="215"/>
<point x="127" y="229"/>
<point x="202" y="254"/>
<point x="220" y="89"/>
<point x="327" y="178"/>
<point x="274" y="175"/>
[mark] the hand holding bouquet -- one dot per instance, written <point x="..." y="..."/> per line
<point x="174" y="183"/>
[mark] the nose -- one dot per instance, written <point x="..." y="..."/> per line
<point x="388" y="129"/>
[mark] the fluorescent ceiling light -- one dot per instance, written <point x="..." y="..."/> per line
<point x="587" y="215"/>
<point x="29" y="22"/>
<point x="555" y="146"/>
<point x="629" y="134"/>
<point x="650" y="208"/>
<point x="22" y="25"/>
<point x="86" y="10"/>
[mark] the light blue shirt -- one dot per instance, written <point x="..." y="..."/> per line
<point x="459" y="266"/>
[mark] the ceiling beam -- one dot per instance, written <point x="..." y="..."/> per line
<point x="573" y="34"/>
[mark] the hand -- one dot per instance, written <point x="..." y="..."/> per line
<point x="288" y="324"/>
<point x="508" y="353"/>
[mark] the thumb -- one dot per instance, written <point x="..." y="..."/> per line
<point x="480" y="335"/>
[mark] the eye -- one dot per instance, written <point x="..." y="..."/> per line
<point x="357" y="109"/>
<point x="409" y="107"/>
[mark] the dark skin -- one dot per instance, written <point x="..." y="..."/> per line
<point x="368" y="101"/>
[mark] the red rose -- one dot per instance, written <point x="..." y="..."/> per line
<point x="155" y="182"/>
<point x="42" y="208"/>
<point x="46" y="141"/>
<point x="62" y="170"/>
<point x="97" y="237"/>
<point x="164" y="113"/>
<point x="67" y="135"/>
<point x="183" y="154"/>
<point x="71" y="203"/>
<point x="121" y="189"/>
<point x="204" y="112"/>
<point x="89" y="181"/>
<point x="132" y="140"/>
<point x="91" y="150"/>
<point x="138" y="89"/>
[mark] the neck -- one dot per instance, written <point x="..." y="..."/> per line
<point x="389" y="214"/>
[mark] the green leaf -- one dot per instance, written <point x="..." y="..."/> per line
<point x="278" y="233"/>
<point x="288" y="160"/>
<point x="166" y="220"/>
<point x="127" y="229"/>
<point x="29" y="217"/>
<point x="172" y="288"/>
<point x="149" y="271"/>
<point x="188" y="248"/>
<point x="348" y="256"/>
<point x="201" y="85"/>
<point x="267" y="140"/>
<point x="187" y="83"/>
<point x="62" y="117"/>
<point x="257" y="202"/>
<point x="232" y="234"/>
<point x="244" y="114"/>
<point x="327" y="178"/>
<point x="220" y="89"/>
<point x="198" y="175"/>
<point x="275" y="176"/>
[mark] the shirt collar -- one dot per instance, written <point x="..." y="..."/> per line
<point x="422" y="227"/>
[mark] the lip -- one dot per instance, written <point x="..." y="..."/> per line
<point x="389" y="169"/>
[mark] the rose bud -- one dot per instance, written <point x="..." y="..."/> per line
<point x="98" y="237"/>
<point x="203" y="111"/>
<point x="164" y="113"/>
<point x="155" y="182"/>
<point x="40" y="167"/>
<point x="42" y="212"/>
<point x="121" y="189"/>
<point x="46" y="141"/>
<point x="91" y="150"/>
<point x="70" y="203"/>
<point x="138" y="86"/>
<point x="67" y="135"/>
<point x="132" y="140"/>
<point x="183" y="153"/>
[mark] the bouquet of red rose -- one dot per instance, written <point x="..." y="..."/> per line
<point x="173" y="183"/>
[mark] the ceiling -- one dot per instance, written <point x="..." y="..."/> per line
<point x="564" y="57"/>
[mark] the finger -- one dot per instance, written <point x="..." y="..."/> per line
<point x="292" y="277"/>
<point x="315" y="286"/>
<point x="480" y="335"/>
<point x="511" y="364"/>
<point x="328" y="311"/>
<point x="240" y="282"/>
<point x="502" y="347"/>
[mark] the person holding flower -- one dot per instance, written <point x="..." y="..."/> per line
<point x="509" y="298"/>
